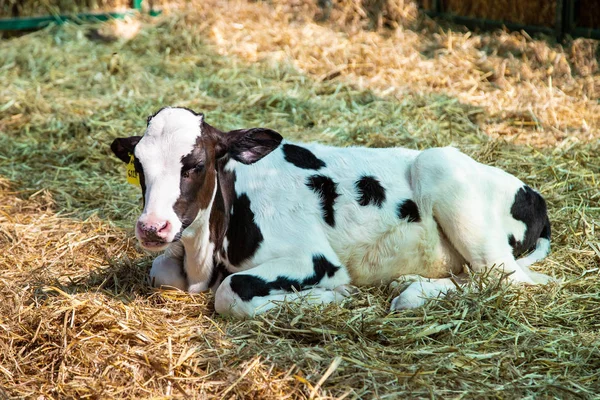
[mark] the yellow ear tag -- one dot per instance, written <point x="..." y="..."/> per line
<point x="132" y="175"/>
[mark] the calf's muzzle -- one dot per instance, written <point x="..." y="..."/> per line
<point x="152" y="230"/>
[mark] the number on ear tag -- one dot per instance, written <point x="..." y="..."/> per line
<point x="132" y="175"/>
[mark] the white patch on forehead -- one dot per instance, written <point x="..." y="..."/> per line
<point x="170" y="136"/>
<point x="177" y="121"/>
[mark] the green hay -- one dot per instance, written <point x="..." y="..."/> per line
<point x="77" y="318"/>
<point x="27" y="8"/>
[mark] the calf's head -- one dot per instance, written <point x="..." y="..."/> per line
<point x="177" y="160"/>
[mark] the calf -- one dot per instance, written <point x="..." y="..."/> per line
<point x="260" y="219"/>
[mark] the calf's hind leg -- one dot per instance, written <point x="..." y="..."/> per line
<point x="315" y="280"/>
<point x="471" y="202"/>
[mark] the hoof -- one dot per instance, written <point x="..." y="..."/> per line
<point x="346" y="290"/>
<point x="411" y="297"/>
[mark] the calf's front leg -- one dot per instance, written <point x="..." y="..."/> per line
<point x="167" y="270"/>
<point x="314" y="279"/>
<point x="414" y="290"/>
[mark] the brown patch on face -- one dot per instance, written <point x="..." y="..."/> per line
<point x="201" y="170"/>
<point x="197" y="182"/>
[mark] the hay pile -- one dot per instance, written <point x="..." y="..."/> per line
<point x="532" y="92"/>
<point x="77" y="318"/>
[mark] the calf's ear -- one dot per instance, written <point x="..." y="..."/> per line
<point x="250" y="145"/>
<point x="122" y="147"/>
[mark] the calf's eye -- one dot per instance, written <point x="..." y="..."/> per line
<point x="186" y="173"/>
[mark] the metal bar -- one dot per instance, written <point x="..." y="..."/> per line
<point x="568" y="18"/>
<point x="571" y="24"/>
<point x="565" y="22"/>
<point x="18" y="24"/>
<point x="585" y="32"/>
<point x="569" y="15"/>
<point x="559" y="21"/>
<point x="487" y="24"/>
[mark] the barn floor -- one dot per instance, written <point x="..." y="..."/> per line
<point x="77" y="317"/>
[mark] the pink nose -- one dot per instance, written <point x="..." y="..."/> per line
<point x="153" y="229"/>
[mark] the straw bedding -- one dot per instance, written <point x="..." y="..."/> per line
<point x="77" y="317"/>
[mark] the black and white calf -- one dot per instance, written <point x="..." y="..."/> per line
<point x="260" y="219"/>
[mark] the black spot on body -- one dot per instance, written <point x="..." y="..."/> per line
<point x="529" y="207"/>
<point x="243" y="234"/>
<point x="301" y="157"/>
<point x="249" y="286"/>
<point x="512" y="241"/>
<point x="322" y="267"/>
<point x="546" y="231"/>
<point x="370" y="191"/>
<point x="408" y="210"/>
<point x="325" y="187"/>
<point x="286" y="284"/>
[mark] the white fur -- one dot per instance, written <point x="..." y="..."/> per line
<point x="464" y="208"/>
<point x="170" y="135"/>
<point x="372" y="243"/>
